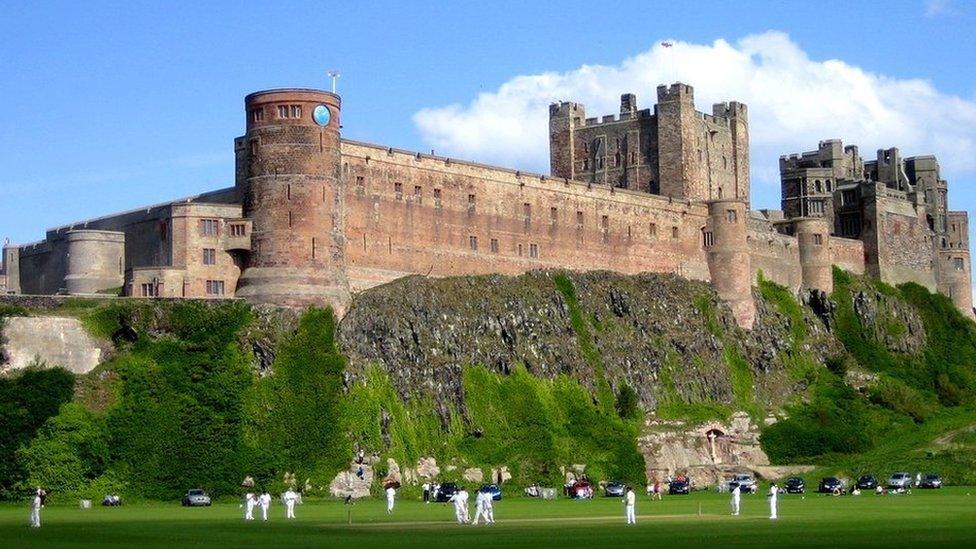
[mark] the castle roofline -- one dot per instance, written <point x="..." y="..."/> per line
<point x="315" y="91"/>
<point x="194" y="199"/>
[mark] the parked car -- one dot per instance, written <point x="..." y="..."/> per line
<point x="493" y="489"/>
<point x="866" y="482"/>
<point x="111" y="500"/>
<point x="745" y="483"/>
<point x="614" y="489"/>
<point x="579" y="489"/>
<point x="931" y="482"/>
<point x="830" y="485"/>
<point x="444" y="492"/>
<point x="196" y="498"/>
<point x="679" y="486"/>
<point x="900" y="481"/>
<point x="795" y="485"/>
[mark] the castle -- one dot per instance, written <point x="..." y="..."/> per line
<point x="313" y="218"/>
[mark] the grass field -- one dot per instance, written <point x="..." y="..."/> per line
<point x="945" y="518"/>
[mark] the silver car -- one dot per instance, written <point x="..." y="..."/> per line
<point x="900" y="481"/>
<point x="745" y="483"/>
<point x="196" y="498"/>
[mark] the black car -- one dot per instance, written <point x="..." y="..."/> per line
<point x="931" y="482"/>
<point x="830" y="485"/>
<point x="444" y="492"/>
<point x="795" y="485"/>
<point x="866" y="482"/>
<point x="679" y="486"/>
<point x="614" y="489"/>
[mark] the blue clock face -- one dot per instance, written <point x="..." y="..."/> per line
<point x="322" y="115"/>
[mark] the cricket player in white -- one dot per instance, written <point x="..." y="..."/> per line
<point x="480" y="506"/>
<point x="265" y="502"/>
<point x="249" y="506"/>
<point x="629" y="499"/>
<point x="35" y="514"/>
<point x="773" y="493"/>
<point x="290" y="498"/>
<point x="489" y="508"/>
<point x="390" y="499"/>
<point x="460" y="499"/>
<point x="736" y="493"/>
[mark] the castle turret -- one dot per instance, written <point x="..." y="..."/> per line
<point x="564" y="118"/>
<point x="816" y="266"/>
<point x="729" y="263"/>
<point x="738" y="116"/>
<point x="11" y="267"/>
<point x="95" y="261"/>
<point x="290" y="180"/>
<point x="677" y="145"/>
<point x="955" y="279"/>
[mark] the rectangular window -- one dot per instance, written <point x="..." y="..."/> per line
<point x="208" y="227"/>
<point x="417" y="191"/>
<point x="818" y="239"/>
<point x="254" y="147"/>
<point x="708" y="239"/>
<point x="282" y="111"/>
<point x="674" y="232"/>
<point x="238" y="229"/>
<point x="958" y="263"/>
<point x="553" y="215"/>
<point x="215" y="287"/>
<point x="148" y="290"/>
<point x="520" y="250"/>
<point x="437" y="198"/>
<point x="257" y="115"/>
<point x="730" y="216"/>
<point x="360" y="184"/>
<point x="527" y="211"/>
<point x="471" y="203"/>
<point x="398" y="190"/>
<point x="473" y="243"/>
<point x="605" y="223"/>
<point x="296" y="111"/>
<point x="848" y="197"/>
<point x="579" y="220"/>
<point x="533" y="250"/>
<point x="653" y="230"/>
<point x="209" y="256"/>
<point x="494" y="245"/>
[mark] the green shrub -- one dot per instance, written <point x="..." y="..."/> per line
<point x="26" y="402"/>
<point x="628" y="405"/>
<point x="68" y="453"/>
<point x="895" y="395"/>
<point x="299" y="406"/>
<point x="179" y="419"/>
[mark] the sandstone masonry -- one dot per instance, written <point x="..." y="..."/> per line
<point x="314" y="218"/>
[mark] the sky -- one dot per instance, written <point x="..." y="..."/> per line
<point x="109" y="106"/>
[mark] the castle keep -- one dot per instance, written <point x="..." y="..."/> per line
<point x="313" y="218"/>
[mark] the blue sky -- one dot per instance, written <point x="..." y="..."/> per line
<point x="111" y="106"/>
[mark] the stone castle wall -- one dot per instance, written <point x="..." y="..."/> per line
<point x="314" y="217"/>
<point x="408" y="214"/>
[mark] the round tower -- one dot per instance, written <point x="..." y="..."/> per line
<point x="289" y="179"/>
<point x="813" y="239"/>
<point x="94" y="261"/>
<point x="729" y="263"/>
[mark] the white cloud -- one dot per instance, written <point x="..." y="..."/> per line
<point x="935" y="8"/>
<point x="794" y="102"/>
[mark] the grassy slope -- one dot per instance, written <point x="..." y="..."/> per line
<point x="943" y="517"/>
